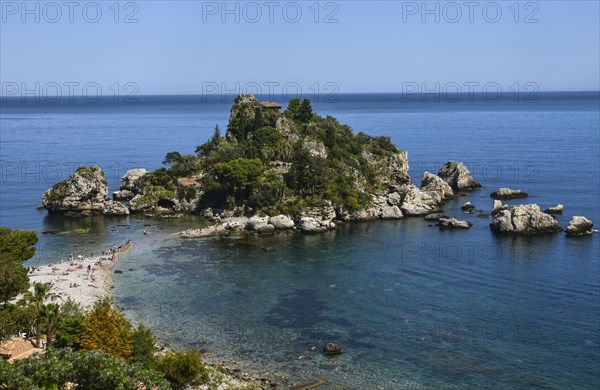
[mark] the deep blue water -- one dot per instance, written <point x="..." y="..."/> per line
<point x="414" y="307"/>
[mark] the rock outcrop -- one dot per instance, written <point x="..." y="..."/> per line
<point x="383" y="207"/>
<point x="314" y="225"/>
<point x="579" y="226"/>
<point x="498" y="206"/>
<point x="435" y="187"/>
<point x="458" y="176"/>
<point x="507" y="193"/>
<point x="84" y="192"/>
<point x="417" y="202"/>
<point x="558" y="209"/>
<point x="260" y="224"/>
<point x="524" y="219"/>
<point x="452" y="223"/>
<point x="281" y="222"/>
<point x="116" y="208"/>
<point x="128" y="187"/>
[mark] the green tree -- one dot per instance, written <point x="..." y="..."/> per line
<point x="307" y="175"/>
<point x="106" y="329"/>
<point x="293" y="108"/>
<point x="143" y="342"/>
<point x="36" y="299"/>
<point x="15" y="319"/>
<point x="13" y="279"/>
<point x="265" y="143"/>
<point x="213" y="144"/>
<point x="172" y="158"/>
<point x="16" y="246"/>
<point x="239" y="176"/>
<point x="50" y="317"/>
<point x="305" y="114"/>
<point x="183" y="369"/>
<point x="259" y="119"/>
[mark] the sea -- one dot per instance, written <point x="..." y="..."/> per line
<point x="412" y="306"/>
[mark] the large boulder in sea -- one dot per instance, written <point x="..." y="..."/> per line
<point x="458" y="176"/>
<point x="259" y="224"/>
<point x="84" y="193"/>
<point x="579" y="226"/>
<point x="417" y="202"/>
<point x="558" y="209"/>
<point x="524" y="219"/>
<point x="437" y="188"/>
<point x="281" y="222"/>
<point x="507" y="193"/>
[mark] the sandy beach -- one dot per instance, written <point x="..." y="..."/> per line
<point x="83" y="279"/>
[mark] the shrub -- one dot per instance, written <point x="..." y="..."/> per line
<point x="182" y="369"/>
<point x="93" y="370"/>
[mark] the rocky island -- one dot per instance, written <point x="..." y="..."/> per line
<point x="291" y="169"/>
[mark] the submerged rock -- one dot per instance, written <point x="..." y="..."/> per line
<point x="558" y="209"/>
<point x="507" y="193"/>
<point x="434" y="216"/>
<point x="452" y="223"/>
<point x="84" y="192"/>
<point x="458" y="176"/>
<point x="524" y="219"/>
<point x="332" y="349"/>
<point x="468" y="207"/>
<point x="579" y="226"/>
<point x="437" y="188"/>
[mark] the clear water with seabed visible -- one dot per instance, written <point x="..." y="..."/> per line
<point x="414" y="307"/>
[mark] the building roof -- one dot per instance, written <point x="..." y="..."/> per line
<point x="271" y="105"/>
<point x="18" y="348"/>
<point x="188" y="181"/>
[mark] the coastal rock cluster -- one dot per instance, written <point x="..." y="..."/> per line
<point x="364" y="182"/>
<point x="83" y="193"/>
<point x="458" y="176"/>
<point x="579" y="226"/>
<point x="523" y="219"/>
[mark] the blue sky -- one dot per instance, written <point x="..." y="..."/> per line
<point x="185" y="47"/>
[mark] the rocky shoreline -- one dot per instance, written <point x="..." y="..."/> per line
<point x="264" y="176"/>
<point x="84" y="194"/>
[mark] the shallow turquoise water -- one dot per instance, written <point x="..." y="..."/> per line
<point x="413" y="307"/>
